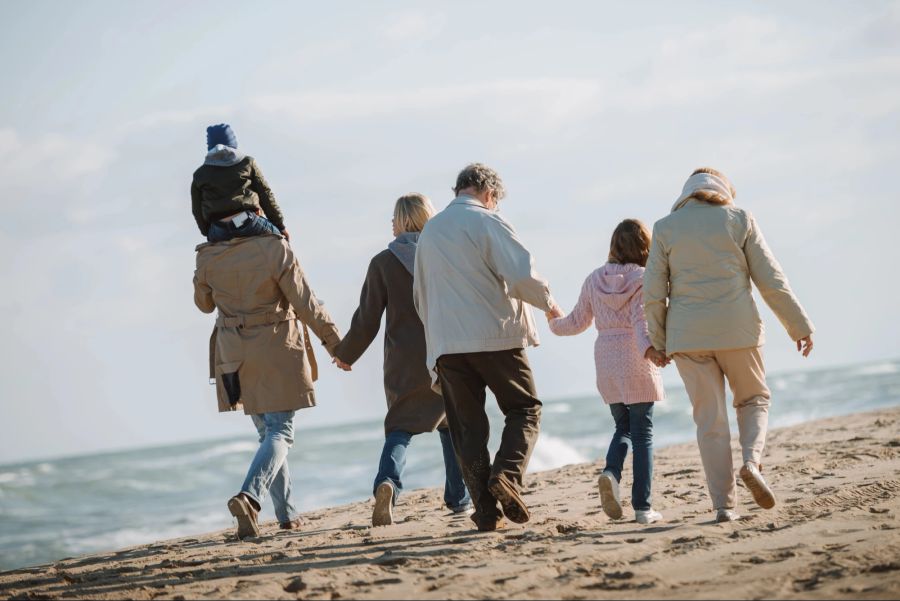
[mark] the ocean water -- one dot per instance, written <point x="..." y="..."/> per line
<point x="55" y="509"/>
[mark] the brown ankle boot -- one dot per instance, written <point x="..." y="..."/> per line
<point x="241" y="507"/>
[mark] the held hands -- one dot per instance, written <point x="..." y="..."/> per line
<point x="341" y="364"/>
<point x="658" y="358"/>
<point x="805" y="345"/>
<point x="554" y="313"/>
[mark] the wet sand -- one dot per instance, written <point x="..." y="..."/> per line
<point x="834" y="534"/>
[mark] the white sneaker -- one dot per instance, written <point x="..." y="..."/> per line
<point x="726" y="515"/>
<point x="383" y="515"/>
<point x="647" y="516"/>
<point x="609" y="496"/>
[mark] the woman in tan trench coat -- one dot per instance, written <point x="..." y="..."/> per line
<point x="261" y="361"/>
<point x="700" y="311"/>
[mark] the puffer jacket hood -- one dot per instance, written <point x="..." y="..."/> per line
<point x="617" y="283"/>
<point x="223" y="156"/>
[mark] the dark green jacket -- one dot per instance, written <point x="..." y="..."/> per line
<point x="220" y="191"/>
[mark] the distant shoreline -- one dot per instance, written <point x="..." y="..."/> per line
<point x="834" y="534"/>
<point x="362" y="422"/>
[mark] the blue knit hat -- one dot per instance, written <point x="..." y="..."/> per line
<point x="220" y="134"/>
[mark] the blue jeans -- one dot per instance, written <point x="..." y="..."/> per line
<point x="393" y="460"/>
<point x="269" y="471"/>
<point x="634" y="428"/>
<point x="253" y="226"/>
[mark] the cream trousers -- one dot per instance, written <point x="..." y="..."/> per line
<point x="704" y="374"/>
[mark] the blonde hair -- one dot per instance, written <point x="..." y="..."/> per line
<point x="709" y="195"/>
<point x="411" y="212"/>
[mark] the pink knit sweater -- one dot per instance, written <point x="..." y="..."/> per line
<point x="611" y="296"/>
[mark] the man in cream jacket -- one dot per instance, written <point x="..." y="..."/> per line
<point x="473" y="282"/>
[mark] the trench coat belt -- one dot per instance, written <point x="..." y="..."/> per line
<point x="255" y="319"/>
<point x="259" y="319"/>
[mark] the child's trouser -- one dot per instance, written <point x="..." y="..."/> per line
<point x="254" y="225"/>
<point x="634" y="428"/>
<point x="704" y="374"/>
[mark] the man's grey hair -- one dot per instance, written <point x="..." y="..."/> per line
<point x="481" y="177"/>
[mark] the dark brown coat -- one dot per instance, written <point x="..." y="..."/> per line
<point x="412" y="405"/>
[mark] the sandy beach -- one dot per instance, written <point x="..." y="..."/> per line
<point x="834" y="534"/>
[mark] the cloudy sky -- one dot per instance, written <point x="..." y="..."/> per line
<point x="592" y="113"/>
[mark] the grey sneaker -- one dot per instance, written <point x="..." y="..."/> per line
<point x="383" y="515"/>
<point x="609" y="495"/>
<point x="647" y="516"/>
<point x="726" y="515"/>
<point x="757" y="486"/>
<point x="467" y="509"/>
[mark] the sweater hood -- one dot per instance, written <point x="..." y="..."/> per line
<point x="223" y="156"/>
<point x="404" y="248"/>
<point x="617" y="284"/>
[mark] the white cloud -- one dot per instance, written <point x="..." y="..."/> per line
<point x="159" y="119"/>
<point x="48" y="156"/>
<point x="542" y="102"/>
<point x="413" y="27"/>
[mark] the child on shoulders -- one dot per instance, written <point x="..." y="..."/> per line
<point x="230" y="197"/>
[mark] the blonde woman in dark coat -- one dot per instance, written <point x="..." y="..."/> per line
<point x="413" y="407"/>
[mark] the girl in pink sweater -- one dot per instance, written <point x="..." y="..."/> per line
<point x="628" y="367"/>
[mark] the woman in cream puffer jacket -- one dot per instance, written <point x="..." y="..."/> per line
<point x="700" y="310"/>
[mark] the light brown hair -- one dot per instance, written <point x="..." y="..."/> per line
<point x="412" y="211"/>
<point x="630" y="243"/>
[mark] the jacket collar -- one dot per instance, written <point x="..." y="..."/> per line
<point x="465" y="199"/>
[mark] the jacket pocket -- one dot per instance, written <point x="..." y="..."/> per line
<point x="228" y="382"/>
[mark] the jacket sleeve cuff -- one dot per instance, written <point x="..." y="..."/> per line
<point x="801" y="331"/>
<point x="331" y="340"/>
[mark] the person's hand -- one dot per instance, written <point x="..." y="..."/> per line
<point x="658" y="358"/>
<point x="341" y="364"/>
<point x="286" y="234"/>
<point x="555" y="312"/>
<point x="805" y="345"/>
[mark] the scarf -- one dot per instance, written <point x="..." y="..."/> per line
<point x="404" y="248"/>
<point x="704" y="182"/>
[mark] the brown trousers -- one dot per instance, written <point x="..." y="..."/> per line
<point x="704" y="374"/>
<point x="464" y="378"/>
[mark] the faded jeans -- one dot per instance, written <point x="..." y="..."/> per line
<point x="269" y="471"/>
<point x="393" y="460"/>
<point x="634" y="428"/>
